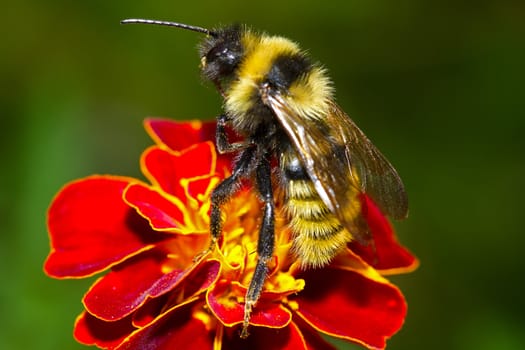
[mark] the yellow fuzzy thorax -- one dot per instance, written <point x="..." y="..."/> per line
<point x="308" y="96"/>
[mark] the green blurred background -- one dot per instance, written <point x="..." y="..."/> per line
<point x="438" y="85"/>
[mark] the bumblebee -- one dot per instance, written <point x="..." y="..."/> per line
<point x="282" y="104"/>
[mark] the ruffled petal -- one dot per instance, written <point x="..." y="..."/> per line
<point x="91" y="228"/>
<point x="311" y="336"/>
<point x="175" y="329"/>
<point x="169" y="169"/>
<point x="130" y="284"/>
<point x="163" y="214"/>
<point x="287" y="338"/>
<point x="197" y="283"/>
<point x="386" y="254"/>
<point x="223" y="300"/>
<point x="178" y="135"/>
<point x="314" y="341"/>
<point x="90" y="330"/>
<point x="347" y="305"/>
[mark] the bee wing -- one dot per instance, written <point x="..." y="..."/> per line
<point x="376" y="175"/>
<point x="357" y="165"/>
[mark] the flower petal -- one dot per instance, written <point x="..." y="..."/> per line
<point x="90" y="330"/>
<point x="386" y="254"/>
<point x="347" y="305"/>
<point x="91" y="228"/>
<point x="177" y="135"/>
<point x="287" y="338"/>
<point x="130" y="284"/>
<point x="313" y="339"/>
<point x="163" y="214"/>
<point x="167" y="169"/>
<point x="175" y="329"/>
<point x="223" y="300"/>
<point x="201" y="278"/>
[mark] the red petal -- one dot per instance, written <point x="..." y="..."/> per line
<point x="287" y="338"/>
<point x="223" y="302"/>
<point x="315" y="342"/>
<point x="169" y="170"/>
<point x="90" y="330"/>
<point x="161" y="212"/>
<point x="347" y="305"/>
<point x="128" y="285"/>
<point x="91" y="228"/>
<point x="177" y="135"/>
<point x="200" y="279"/>
<point x="176" y="329"/>
<point x="131" y="283"/>
<point x="313" y="339"/>
<point x="386" y="254"/>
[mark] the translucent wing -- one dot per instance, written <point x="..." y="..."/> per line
<point x="341" y="161"/>
<point x="377" y="176"/>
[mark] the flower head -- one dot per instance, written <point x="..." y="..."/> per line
<point x="156" y="294"/>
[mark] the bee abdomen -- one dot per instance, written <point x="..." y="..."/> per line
<point x="317" y="234"/>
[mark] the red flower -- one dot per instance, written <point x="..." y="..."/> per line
<point x="155" y="296"/>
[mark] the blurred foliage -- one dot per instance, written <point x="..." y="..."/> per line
<point x="438" y="85"/>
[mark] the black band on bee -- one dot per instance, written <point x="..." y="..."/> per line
<point x="294" y="170"/>
<point x="286" y="69"/>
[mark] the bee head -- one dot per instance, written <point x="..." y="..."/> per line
<point x="221" y="53"/>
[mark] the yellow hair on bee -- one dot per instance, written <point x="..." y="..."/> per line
<point x="306" y="208"/>
<point x="317" y="234"/>
<point x="301" y="189"/>
<point x="260" y="53"/>
<point x="316" y="227"/>
<point x="310" y="95"/>
<point x="315" y="252"/>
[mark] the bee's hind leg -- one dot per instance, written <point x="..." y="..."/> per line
<point x="265" y="244"/>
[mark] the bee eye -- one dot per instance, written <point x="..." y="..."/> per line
<point x="221" y="60"/>
<point x="221" y="54"/>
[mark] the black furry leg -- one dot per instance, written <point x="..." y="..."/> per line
<point x="225" y="190"/>
<point x="223" y="144"/>
<point x="265" y="244"/>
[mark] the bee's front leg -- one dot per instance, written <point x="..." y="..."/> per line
<point x="223" y="144"/>
<point x="223" y="192"/>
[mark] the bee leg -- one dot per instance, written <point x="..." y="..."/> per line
<point x="223" y="192"/>
<point x="223" y="144"/>
<point x="265" y="245"/>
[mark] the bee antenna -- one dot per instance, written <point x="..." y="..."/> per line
<point x="170" y="24"/>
